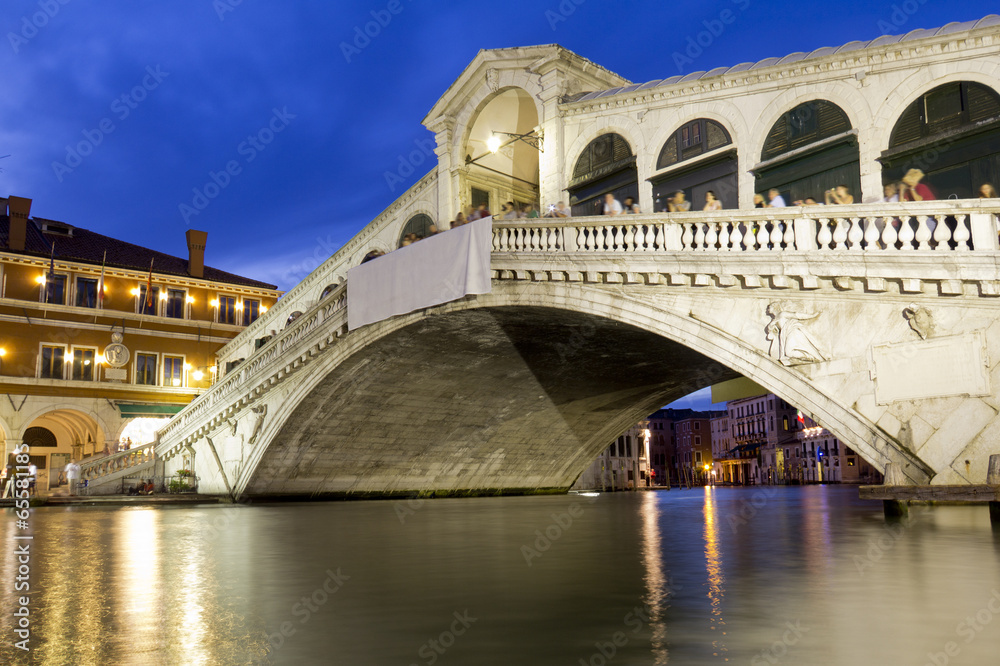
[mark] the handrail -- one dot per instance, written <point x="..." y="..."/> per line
<point x="116" y="462"/>
<point x="941" y="226"/>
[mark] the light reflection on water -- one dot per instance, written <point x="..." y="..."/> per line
<point x="785" y="575"/>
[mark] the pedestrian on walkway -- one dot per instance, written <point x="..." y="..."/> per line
<point x="72" y="471"/>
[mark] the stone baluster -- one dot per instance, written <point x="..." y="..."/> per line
<point x="840" y="234"/>
<point x="699" y="237"/>
<point x="942" y="234"/>
<point x="825" y="236"/>
<point x="763" y="235"/>
<point x="855" y="235"/>
<point x="711" y="237"/>
<point x="736" y="237"/>
<point x="630" y="238"/>
<point x="871" y="235"/>
<point x="906" y="234"/>
<point x="776" y="234"/>
<point x="789" y="236"/>
<point x="962" y="234"/>
<point x="923" y="234"/>
<point x="750" y="238"/>
<point x="687" y="237"/>
<point x="724" y="237"/>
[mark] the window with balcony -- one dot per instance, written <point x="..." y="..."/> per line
<point x="86" y="292"/>
<point x="148" y="305"/>
<point x="52" y="362"/>
<point x="251" y="310"/>
<point x="83" y="364"/>
<point x="55" y="289"/>
<point x="227" y="309"/>
<point x="145" y="369"/>
<point x="173" y="371"/>
<point x="176" y="301"/>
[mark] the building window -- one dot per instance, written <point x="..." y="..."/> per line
<point x="83" y="364"/>
<point x="173" y="371"/>
<point x="784" y="422"/>
<point x="86" y="292"/>
<point x="52" y="362"/>
<point x="147" y="306"/>
<point x="145" y="369"/>
<point x="55" y="289"/>
<point x="697" y="425"/>
<point x="251" y="310"/>
<point x="176" y="300"/>
<point x="227" y="309"/>
<point x="697" y="440"/>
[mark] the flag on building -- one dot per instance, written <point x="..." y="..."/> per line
<point x="149" y="286"/>
<point x="800" y="417"/>
<point x="100" y="287"/>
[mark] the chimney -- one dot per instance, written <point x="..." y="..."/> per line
<point x="196" y="252"/>
<point x="19" y="208"/>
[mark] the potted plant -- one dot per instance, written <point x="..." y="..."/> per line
<point x="183" y="481"/>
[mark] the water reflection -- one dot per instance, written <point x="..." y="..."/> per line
<point x="713" y="565"/>
<point x="724" y="574"/>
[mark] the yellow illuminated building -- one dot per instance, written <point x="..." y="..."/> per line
<point x="94" y="343"/>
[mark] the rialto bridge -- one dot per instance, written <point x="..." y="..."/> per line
<point x="879" y="320"/>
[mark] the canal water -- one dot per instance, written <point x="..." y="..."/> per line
<point x="787" y="575"/>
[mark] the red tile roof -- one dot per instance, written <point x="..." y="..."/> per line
<point x="88" y="247"/>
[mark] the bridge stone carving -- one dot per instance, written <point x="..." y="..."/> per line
<point x="593" y="323"/>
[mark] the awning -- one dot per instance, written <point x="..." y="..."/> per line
<point x="130" y="410"/>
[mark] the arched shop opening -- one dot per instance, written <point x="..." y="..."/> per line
<point x="501" y="167"/>
<point x="698" y="157"/>
<point x="420" y="225"/>
<point x="55" y="438"/>
<point x="952" y="134"/>
<point x="809" y="150"/>
<point x="606" y="165"/>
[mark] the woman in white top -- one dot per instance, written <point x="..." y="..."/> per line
<point x="711" y="203"/>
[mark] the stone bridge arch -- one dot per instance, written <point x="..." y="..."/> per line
<point x="579" y="364"/>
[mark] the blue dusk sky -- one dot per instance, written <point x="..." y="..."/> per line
<point x="114" y="113"/>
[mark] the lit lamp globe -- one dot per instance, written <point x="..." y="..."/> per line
<point x="493" y="143"/>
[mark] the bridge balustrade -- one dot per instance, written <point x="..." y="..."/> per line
<point x="938" y="226"/>
<point x="94" y="469"/>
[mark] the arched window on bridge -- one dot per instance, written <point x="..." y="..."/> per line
<point x="419" y="225"/>
<point x="329" y="289"/>
<point x="292" y="317"/>
<point x="809" y="150"/>
<point x="952" y="134"/>
<point x="699" y="156"/>
<point x="606" y="165"/>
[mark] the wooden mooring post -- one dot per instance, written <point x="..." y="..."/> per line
<point x="993" y="479"/>
<point x="896" y="494"/>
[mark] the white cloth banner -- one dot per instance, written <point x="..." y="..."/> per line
<point x="435" y="270"/>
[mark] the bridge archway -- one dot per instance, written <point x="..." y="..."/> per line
<point x="512" y="171"/>
<point x="698" y="157"/>
<point x="607" y="165"/>
<point x="518" y="387"/>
